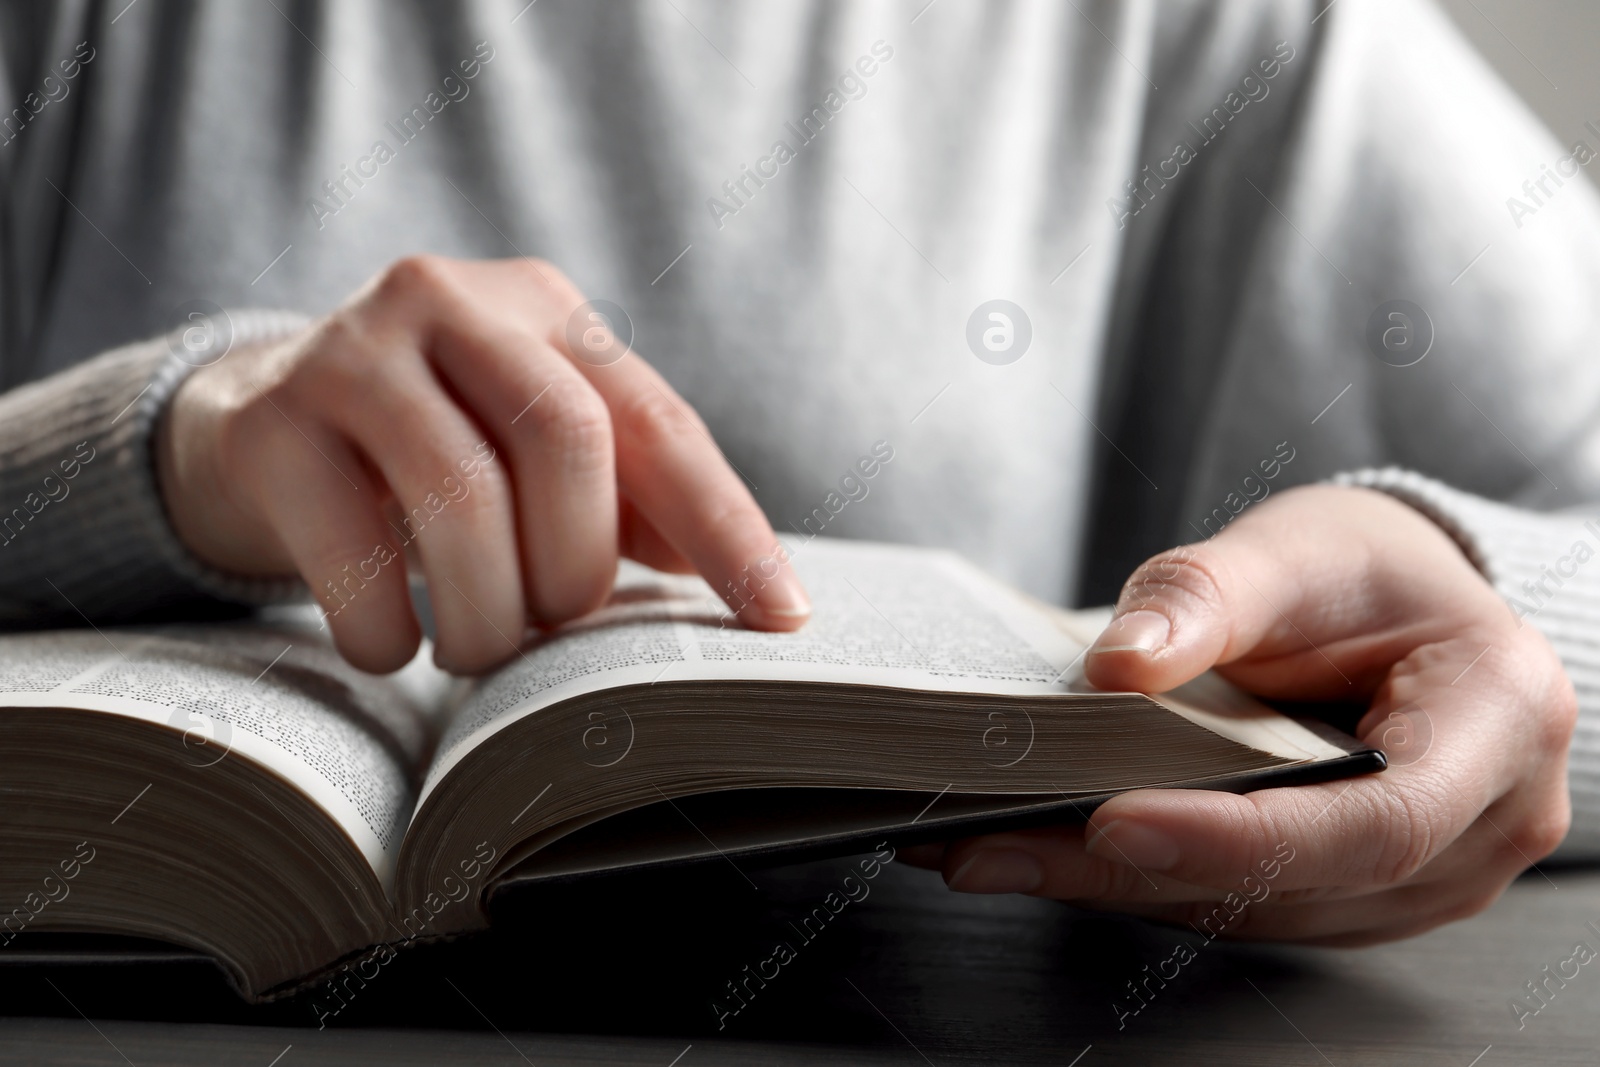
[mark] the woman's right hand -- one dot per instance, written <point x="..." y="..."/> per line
<point x="444" y="413"/>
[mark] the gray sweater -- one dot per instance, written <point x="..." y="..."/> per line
<point x="1204" y="211"/>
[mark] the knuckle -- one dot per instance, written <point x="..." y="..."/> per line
<point x="1558" y="715"/>
<point x="542" y="290"/>
<point x="1534" y="667"/>
<point x="575" y="427"/>
<point x="420" y="287"/>
<point x="482" y="503"/>
<point x="545" y="275"/>
<point x="1407" y="685"/>
<point x="656" y="423"/>
<point x="1406" y="842"/>
<point x="415" y="274"/>
<point x="1192" y="572"/>
<point x="1104" y="880"/>
<point x="1543" y="833"/>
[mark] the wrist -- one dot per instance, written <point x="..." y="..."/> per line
<point x="208" y="507"/>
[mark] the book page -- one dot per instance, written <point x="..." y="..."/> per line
<point x="276" y="694"/>
<point x="882" y="615"/>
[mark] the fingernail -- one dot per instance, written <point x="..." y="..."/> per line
<point x="1135" y="845"/>
<point x="998" y="870"/>
<point x="786" y="599"/>
<point x="1137" y="631"/>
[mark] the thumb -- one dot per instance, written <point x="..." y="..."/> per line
<point x="1191" y="608"/>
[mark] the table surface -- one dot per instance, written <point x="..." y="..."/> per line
<point x="627" y="972"/>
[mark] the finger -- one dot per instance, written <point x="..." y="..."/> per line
<point x="460" y="527"/>
<point x="328" y="516"/>
<point x="1302" y="612"/>
<point x="476" y="324"/>
<point x="1394" y="913"/>
<point x="557" y="437"/>
<point x="1377" y="829"/>
<point x="1187" y="610"/>
<point x="639" y="540"/>
<point x="674" y="473"/>
<point x="1359" y="833"/>
<point x="1483" y="856"/>
<point x="1051" y="862"/>
<point x="666" y="461"/>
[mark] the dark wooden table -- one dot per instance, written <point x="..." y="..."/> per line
<point x="627" y="973"/>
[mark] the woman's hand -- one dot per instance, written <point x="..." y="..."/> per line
<point x="1321" y="594"/>
<point x="462" y="414"/>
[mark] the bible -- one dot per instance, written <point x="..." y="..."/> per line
<point x="238" y="790"/>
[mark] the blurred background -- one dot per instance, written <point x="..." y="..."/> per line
<point x="1547" y="51"/>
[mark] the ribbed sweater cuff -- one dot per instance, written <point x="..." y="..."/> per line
<point x="1525" y="554"/>
<point x="83" y="532"/>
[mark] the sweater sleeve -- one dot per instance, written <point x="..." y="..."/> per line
<point x="84" y="537"/>
<point x="1544" y="564"/>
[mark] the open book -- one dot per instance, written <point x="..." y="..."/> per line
<point x="239" y="790"/>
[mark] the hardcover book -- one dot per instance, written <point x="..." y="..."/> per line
<point x="238" y="790"/>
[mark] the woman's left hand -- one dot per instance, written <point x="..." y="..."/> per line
<point x="1320" y="594"/>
